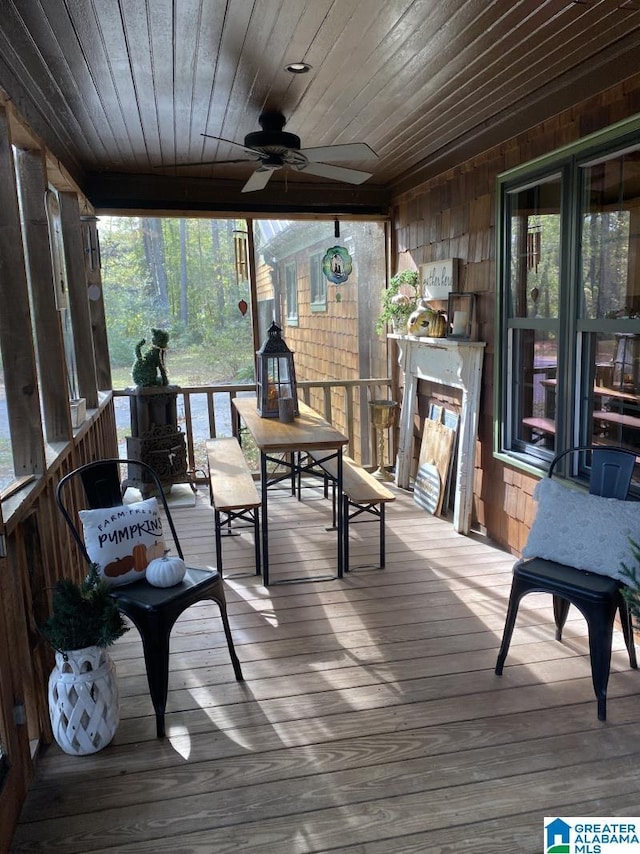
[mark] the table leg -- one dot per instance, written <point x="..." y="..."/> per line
<point x="265" y="523"/>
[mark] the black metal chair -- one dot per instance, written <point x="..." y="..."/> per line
<point x="153" y="610"/>
<point x="597" y="597"/>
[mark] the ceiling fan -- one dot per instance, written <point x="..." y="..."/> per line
<point x="274" y="148"/>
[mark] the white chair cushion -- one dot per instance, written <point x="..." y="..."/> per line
<point x="123" y="540"/>
<point x="581" y="530"/>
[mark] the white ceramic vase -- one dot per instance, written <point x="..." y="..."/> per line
<point x="83" y="700"/>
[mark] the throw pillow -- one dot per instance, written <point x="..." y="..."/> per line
<point x="581" y="530"/>
<point x="122" y="540"/>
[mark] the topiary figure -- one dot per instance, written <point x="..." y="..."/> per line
<point x="149" y="368"/>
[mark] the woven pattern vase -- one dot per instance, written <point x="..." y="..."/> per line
<point x="83" y="700"/>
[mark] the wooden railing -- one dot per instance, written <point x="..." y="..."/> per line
<point x="342" y="402"/>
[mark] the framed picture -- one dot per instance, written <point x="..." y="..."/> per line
<point x="439" y="278"/>
<point x="460" y="315"/>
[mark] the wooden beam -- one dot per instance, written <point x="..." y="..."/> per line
<point x="90" y="240"/>
<point x="16" y="335"/>
<point x="49" y="344"/>
<point x="132" y="194"/>
<point x="78" y="299"/>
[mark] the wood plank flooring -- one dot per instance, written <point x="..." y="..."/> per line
<point x="370" y="721"/>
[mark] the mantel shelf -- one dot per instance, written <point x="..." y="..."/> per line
<point x="451" y="362"/>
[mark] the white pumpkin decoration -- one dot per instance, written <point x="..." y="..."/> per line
<point x="166" y="571"/>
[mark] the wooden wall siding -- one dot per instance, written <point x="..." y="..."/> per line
<point x="453" y="215"/>
<point x="15" y="740"/>
<point x="38" y="546"/>
<point x="78" y="300"/>
<point x="328" y="344"/>
<point x="18" y="355"/>
<point x="93" y="278"/>
<point x="32" y="173"/>
<point x="325" y="342"/>
<point x="40" y="552"/>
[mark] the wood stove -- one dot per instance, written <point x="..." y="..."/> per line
<point x="156" y="438"/>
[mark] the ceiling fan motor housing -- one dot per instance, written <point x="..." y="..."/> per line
<point x="272" y="138"/>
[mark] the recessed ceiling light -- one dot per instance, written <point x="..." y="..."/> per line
<point x="298" y="67"/>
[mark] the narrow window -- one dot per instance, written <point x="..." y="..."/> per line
<point x="317" y="283"/>
<point x="291" y="285"/>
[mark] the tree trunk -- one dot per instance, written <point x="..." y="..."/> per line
<point x="155" y="257"/>
<point x="184" y="303"/>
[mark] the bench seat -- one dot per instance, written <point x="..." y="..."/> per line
<point x="361" y="493"/>
<point x="232" y="492"/>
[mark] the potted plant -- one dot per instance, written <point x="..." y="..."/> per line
<point x="399" y="300"/>
<point x="83" y="694"/>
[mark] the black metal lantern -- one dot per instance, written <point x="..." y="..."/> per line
<point x="276" y="375"/>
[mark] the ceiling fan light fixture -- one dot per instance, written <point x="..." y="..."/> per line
<point x="297" y="67"/>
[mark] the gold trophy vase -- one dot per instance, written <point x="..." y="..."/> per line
<point x="383" y="413"/>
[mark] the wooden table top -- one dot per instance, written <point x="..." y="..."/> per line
<point x="602" y="391"/>
<point x="308" y="430"/>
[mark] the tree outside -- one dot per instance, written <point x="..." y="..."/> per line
<point x="180" y="275"/>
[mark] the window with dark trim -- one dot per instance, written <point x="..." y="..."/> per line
<point x="568" y="267"/>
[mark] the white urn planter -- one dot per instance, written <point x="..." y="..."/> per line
<point x="83" y="700"/>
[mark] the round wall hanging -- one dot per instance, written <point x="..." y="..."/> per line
<point x="337" y="265"/>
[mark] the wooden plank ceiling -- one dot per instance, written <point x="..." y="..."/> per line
<point x="120" y="88"/>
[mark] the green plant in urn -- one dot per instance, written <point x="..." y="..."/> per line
<point x="399" y="300"/>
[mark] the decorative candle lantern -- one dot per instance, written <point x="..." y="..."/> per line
<point x="276" y="375"/>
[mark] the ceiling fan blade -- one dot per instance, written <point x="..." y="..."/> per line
<point x="222" y="139"/>
<point x="338" y="173"/>
<point x="202" y="163"/>
<point x="231" y="142"/>
<point x="259" y="180"/>
<point x="350" y="151"/>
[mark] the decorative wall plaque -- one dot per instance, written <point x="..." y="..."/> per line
<point x="439" y="278"/>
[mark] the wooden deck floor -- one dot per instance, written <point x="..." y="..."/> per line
<point x="370" y="722"/>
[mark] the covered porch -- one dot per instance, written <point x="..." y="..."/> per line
<point x="370" y="719"/>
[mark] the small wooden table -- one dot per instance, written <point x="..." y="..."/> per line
<point x="308" y="431"/>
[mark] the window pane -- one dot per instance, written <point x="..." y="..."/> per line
<point x="611" y="238"/>
<point x="534" y="387"/>
<point x="534" y="267"/>
<point x="291" y="279"/>
<point x="318" y="283"/>
<point x="6" y="454"/>
<point x="610" y="405"/>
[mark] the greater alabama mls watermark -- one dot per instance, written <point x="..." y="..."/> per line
<point x="598" y="835"/>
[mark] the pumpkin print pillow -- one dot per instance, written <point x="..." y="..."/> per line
<point x="123" y="540"/>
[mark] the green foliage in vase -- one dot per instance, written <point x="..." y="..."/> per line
<point x="399" y="300"/>
<point x="83" y="614"/>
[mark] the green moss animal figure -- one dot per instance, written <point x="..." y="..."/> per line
<point x="149" y="368"/>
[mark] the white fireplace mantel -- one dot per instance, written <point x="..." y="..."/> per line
<point x="449" y="362"/>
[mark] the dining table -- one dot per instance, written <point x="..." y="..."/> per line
<point x="284" y="444"/>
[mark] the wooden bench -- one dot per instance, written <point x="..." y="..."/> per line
<point x="541" y="425"/>
<point x="232" y="492"/>
<point x="361" y="493"/>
